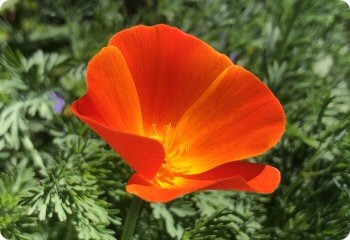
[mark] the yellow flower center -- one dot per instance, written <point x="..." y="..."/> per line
<point x="167" y="176"/>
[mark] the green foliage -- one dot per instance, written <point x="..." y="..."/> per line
<point x="15" y="186"/>
<point x="70" y="193"/>
<point x="24" y="80"/>
<point x="226" y="216"/>
<point x="58" y="180"/>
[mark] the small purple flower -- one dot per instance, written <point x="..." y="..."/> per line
<point x="234" y="56"/>
<point x="58" y="102"/>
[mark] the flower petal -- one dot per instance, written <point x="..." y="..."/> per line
<point x="143" y="154"/>
<point x="152" y="193"/>
<point x="111" y="96"/>
<point x="236" y="118"/>
<point x="111" y="108"/>
<point x="170" y="68"/>
<point x="240" y="175"/>
<point x="243" y="176"/>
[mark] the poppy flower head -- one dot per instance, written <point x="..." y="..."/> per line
<point x="182" y="115"/>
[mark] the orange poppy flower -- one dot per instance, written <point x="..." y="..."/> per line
<point x="182" y="115"/>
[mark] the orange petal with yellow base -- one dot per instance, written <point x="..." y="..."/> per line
<point x="238" y="117"/>
<point x="243" y="176"/>
<point x="170" y="69"/>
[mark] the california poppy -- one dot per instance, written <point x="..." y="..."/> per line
<point x="182" y="115"/>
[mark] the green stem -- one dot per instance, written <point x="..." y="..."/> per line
<point x="69" y="230"/>
<point x="131" y="219"/>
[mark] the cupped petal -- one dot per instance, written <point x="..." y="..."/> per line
<point x="170" y="68"/>
<point x="111" y="108"/>
<point x="238" y="117"/>
<point x="239" y="175"/>
<point x="111" y="97"/>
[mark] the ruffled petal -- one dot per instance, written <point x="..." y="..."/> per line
<point x="238" y="117"/>
<point x="111" y="108"/>
<point x="170" y="68"/>
<point x="240" y="176"/>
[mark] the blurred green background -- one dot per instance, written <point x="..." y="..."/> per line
<point x="58" y="180"/>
